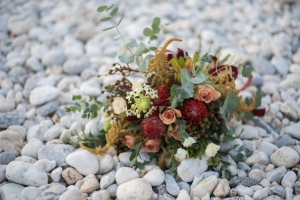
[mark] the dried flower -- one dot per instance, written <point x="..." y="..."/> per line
<point x="119" y="105"/>
<point x="129" y="140"/>
<point x="169" y="116"/>
<point x="206" y="93"/>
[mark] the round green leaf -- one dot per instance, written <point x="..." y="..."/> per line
<point x="101" y="8"/>
<point x="110" y="7"/>
<point x="108" y="28"/>
<point x="131" y="43"/>
<point x="156" y="31"/>
<point x="147" y="32"/>
<point x="105" y="19"/>
<point x="139" y="50"/>
<point x="114" y="11"/>
<point x="139" y="60"/>
<point x="144" y="66"/>
<point x="156" y="20"/>
<point x="153" y="37"/>
<point x="127" y="58"/>
<point x="122" y="50"/>
<point x="119" y="36"/>
<point x="153" y="48"/>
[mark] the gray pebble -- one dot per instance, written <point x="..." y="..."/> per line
<point x="6" y="158"/>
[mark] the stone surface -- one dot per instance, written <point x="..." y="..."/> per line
<point x="222" y="189"/>
<point x="285" y="156"/>
<point x="26" y="174"/>
<point x="6" y="158"/>
<point x="7" y="120"/>
<point x="9" y="189"/>
<point x="137" y="189"/>
<point x="37" y="131"/>
<point x="155" y="177"/>
<point x="125" y="174"/>
<point x="43" y="94"/>
<point x="11" y="141"/>
<point x="71" y="176"/>
<point x="48" y="108"/>
<point x="57" y="152"/>
<point x="31" y="193"/>
<point x="188" y="168"/>
<point x="171" y="185"/>
<point x="72" y="193"/>
<point x="106" y="164"/>
<point x="84" y="162"/>
<point x="54" y="192"/>
<point x="90" y="185"/>
<point x="31" y="148"/>
<point x="204" y="187"/>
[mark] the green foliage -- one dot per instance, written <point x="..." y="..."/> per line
<point x="155" y="29"/>
<point x="230" y="104"/>
<point x="181" y="128"/>
<point x="258" y="97"/>
<point x="101" y="8"/>
<point x="248" y="115"/>
<point x="175" y="99"/>
<point x="247" y="72"/>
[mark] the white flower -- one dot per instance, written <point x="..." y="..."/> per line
<point x="180" y="155"/>
<point x="119" y="105"/>
<point x="136" y="85"/>
<point x="211" y="150"/>
<point x="188" y="142"/>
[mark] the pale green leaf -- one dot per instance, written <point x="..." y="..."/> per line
<point x="248" y="116"/>
<point x="144" y="66"/>
<point x="230" y="104"/>
<point x="122" y="50"/>
<point x="247" y="71"/>
<point x="240" y="68"/>
<point x="114" y="11"/>
<point x="101" y="8"/>
<point x="231" y="60"/>
<point x="127" y="58"/>
<point x="147" y="32"/>
<point x="244" y="60"/>
<point x="119" y="36"/>
<point x="139" y="50"/>
<point x="110" y="7"/>
<point x="156" y="20"/>
<point x="108" y="28"/>
<point x="153" y="37"/>
<point x="139" y="60"/>
<point x="131" y="43"/>
<point x="120" y="21"/>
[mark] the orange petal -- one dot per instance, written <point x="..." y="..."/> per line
<point x="215" y="93"/>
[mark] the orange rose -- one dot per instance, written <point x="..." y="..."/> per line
<point x="150" y="145"/>
<point x="206" y="93"/>
<point x="169" y="116"/>
<point x="173" y="133"/>
<point x="129" y="140"/>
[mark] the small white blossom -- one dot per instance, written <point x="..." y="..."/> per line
<point x="189" y="141"/>
<point x="180" y="155"/>
<point x="118" y="105"/>
<point x="211" y="150"/>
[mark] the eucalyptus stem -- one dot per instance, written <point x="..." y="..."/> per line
<point x="122" y="38"/>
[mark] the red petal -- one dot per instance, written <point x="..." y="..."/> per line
<point x="259" y="112"/>
<point x="247" y="84"/>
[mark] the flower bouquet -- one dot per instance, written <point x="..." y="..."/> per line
<point x="181" y="108"/>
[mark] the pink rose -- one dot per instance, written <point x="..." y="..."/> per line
<point x="173" y="133"/>
<point x="129" y="140"/>
<point x="150" y="145"/>
<point x="206" y="93"/>
<point x="169" y="116"/>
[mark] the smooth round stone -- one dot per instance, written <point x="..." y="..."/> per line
<point x="31" y="193"/>
<point x="90" y="88"/>
<point x="72" y="193"/>
<point x="101" y="195"/>
<point x="56" y="174"/>
<point x="261" y="194"/>
<point x="11" y="141"/>
<point x="90" y="185"/>
<point x="107" y="180"/>
<point x="6" y="105"/>
<point x="9" y="119"/>
<point x="75" y="65"/>
<point x="222" y="189"/>
<point x="171" y="185"/>
<point x="137" y="189"/>
<point x="112" y="189"/>
<point x="46" y="165"/>
<point x="257" y="175"/>
<point x="84" y="162"/>
<point x="284" y="140"/>
<point x="124" y="158"/>
<point x="106" y="163"/>
<point x="53" y="132"/>
<point x="290" y="177"/>
<point x="53" y="192"/>
<point x="188" y="168"/>
<point x="71" y="176"/>
<point x="242" y="191"/>
<point x="285" y="156"/>
<point x="126" y="174"/>
<point x="9" y="189"/>
<point x="26" y="174"/>
<point x="20" y="129"/>
<point x="6" y="158"/>
<point x="31" y="148"/>
<point x="54" y="57"/>
<point x="206" y="186"/>
<point x="65" y="121"/>
<point x="155" y="177"/>
<point x="276" y="174"/>
<point x="48" y="108"/>
<point x="183" y="195"/>
<point x="43" y="94"/>
<point x="37" y="131"/>
<point x="249" y="132"/>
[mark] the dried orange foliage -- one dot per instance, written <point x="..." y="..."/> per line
<point x="162" y="159"/>
<point x="115" y="134"/>
<point x="224" y="86"/>
<point x="161" y="66"/>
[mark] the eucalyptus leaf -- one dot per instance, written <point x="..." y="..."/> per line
<point x="120" y="21"/>
<point x="153" y="37"/>
<point x="122" y="50"/>
<point x="258" y="97"/>
<point x="108" y="28"/>
<point x="147" y="32"/>
<point x="230" y="104"/>
<point x="139" y="50"/>
<point x="240" y="68"/>
<point x="153" y="48"/>
<point x="156" y="20"/>
<point x="114" y="11"/>
<point x="127" y="58"/>
<point x="248" y="116"/>
<point x="134" y="127"/>
<point x="105" y="19"/>
<point x="131" y="43"/>
<point x="139" y="60"/>
<point x="119" y="36"/>
<point x="239" y="157"/>
<point x="144" y="66"/>
<point x="247" y="71"/>
<point x="110" y="7"/>
<point x="101" y="8"/>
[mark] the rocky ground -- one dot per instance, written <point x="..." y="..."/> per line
<point x="51" y="50"/>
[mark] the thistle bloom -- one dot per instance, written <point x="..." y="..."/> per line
<point x="153" y="127"/>
<point x="119" y="105"/>
<point x="180" y="155"/>
<point x="211" y="150"/>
